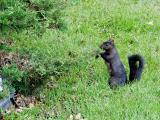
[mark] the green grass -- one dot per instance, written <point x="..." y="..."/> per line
<point x="84" y="89"/>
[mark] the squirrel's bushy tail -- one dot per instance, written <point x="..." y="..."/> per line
<point x="136" y="65"/>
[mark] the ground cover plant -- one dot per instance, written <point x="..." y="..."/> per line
<point x="63" y="55"/>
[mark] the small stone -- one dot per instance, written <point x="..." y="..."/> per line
<point x="70" y="117"/>
<point x="19" y="110"/>
<point x="78" y="116"/>
<point x="31" y="105"/>
<point x="150" y="23"/>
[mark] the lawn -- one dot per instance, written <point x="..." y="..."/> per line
<point x="83" y="85"/>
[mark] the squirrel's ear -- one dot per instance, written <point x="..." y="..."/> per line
<point x="112" y="40"/>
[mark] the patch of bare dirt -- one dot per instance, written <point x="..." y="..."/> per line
<point x="22" y="102"/>
<point x="7" y="59"/>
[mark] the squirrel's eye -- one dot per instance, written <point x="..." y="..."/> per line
<point x="109" y="43"/>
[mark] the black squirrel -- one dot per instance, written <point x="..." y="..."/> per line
<point x="118" y="76"/>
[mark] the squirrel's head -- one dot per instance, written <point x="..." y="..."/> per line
<point x="108" y="45"/>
